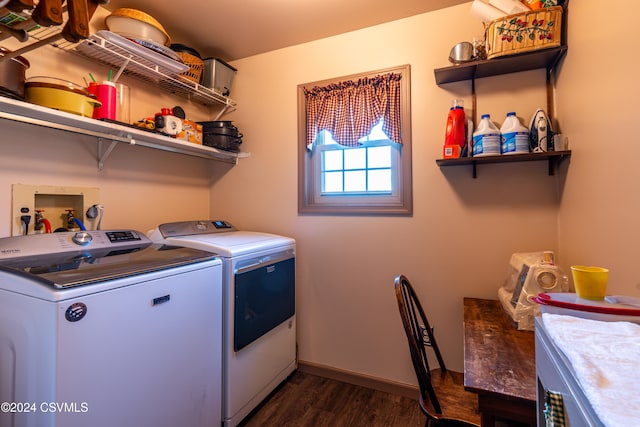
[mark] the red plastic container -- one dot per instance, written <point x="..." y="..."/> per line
<point x="455" y="133"/>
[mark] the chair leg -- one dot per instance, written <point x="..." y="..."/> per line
<point x="487" y="419"/>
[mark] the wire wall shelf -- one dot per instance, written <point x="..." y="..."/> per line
<point x="161" y="72"/>
<point x="104" y="51"/>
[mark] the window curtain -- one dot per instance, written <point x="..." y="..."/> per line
<point x="350" y="109"/>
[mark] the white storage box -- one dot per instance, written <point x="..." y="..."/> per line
<point x="218" y="75"/>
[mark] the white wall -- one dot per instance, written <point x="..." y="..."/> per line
<point x="462" y="233"/>
<point x="598" y="94"/>
<point x="139" y="187"/>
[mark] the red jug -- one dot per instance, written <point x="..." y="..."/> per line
<point x="455" y="137"/>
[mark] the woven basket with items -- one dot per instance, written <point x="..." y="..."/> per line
<point x="524" y="32"/>
<point x="192" y="58"/>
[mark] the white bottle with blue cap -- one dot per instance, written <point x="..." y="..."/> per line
<point x="486" y="138"/>
<point x="515" y="137"/>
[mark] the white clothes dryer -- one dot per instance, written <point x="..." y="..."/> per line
<point x="259" y="318"/>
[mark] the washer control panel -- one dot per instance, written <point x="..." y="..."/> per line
<point x="119" y="236"/>
<point x="69" y="241"/>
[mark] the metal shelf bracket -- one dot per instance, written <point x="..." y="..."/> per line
<point x="102" y="156"/>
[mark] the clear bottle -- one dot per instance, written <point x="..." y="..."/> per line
<point x="515" y="137"/>
<point x="486" y="138"/>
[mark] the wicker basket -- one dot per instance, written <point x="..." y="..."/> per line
<point x="523" y="32"/>
<point x="196" y="65"/>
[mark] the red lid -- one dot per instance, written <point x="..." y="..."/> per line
<point x="572" y="302"/>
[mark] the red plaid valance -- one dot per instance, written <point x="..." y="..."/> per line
<point x="350" y="109"/>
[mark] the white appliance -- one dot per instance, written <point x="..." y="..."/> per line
<point x="259" y="337"/>
<point x="530" y="273"/>
<point x="104" y="328"/>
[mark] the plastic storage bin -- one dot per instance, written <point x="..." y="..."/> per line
<point x="218" y="75"/>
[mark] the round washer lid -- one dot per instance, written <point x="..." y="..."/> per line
<point x="70" y="270"/>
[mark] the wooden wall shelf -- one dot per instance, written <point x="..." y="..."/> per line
<point x="553" y="157"/>
<point x="543" y="58"/>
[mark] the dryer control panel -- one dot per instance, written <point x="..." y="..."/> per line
<point x="189" y="228"/>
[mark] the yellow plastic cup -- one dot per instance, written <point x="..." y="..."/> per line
<point x="590" y="282"/>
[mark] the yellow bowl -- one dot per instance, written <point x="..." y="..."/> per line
<point x="590" y="282"/>
<point x="61" y="95"/>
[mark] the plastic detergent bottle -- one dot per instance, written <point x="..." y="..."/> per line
<point x="455" y="132"/>
<point x="515" y="137"/>
<point x="486" y="138"/>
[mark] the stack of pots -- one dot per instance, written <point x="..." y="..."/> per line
<point x="221" y="134"/>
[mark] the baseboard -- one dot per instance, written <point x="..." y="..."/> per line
<point x="358" y="379"/>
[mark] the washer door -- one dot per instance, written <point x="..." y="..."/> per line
<point x="264" y="298"/>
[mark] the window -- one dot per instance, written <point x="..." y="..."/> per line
<point x="364" y="170"/>
<point x="369" y="175"/>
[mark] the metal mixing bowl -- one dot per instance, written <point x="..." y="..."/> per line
<point x="461" y="52"/>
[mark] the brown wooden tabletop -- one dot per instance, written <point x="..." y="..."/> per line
<point x="499" y="363"/>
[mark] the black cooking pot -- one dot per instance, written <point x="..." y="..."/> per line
<point x="177" y="47"/>
<point x="12" y="75"/>
<point x="223" y="142"/>
<point x="224" y="131"/>
<point x="220" y="127"/>
<point x="216" y="125"/>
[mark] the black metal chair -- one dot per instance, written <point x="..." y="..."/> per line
<point x="442" y="398"/>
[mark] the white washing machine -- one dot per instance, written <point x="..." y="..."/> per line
<point x="259" y="336"/>
<point x="105" y="328"/>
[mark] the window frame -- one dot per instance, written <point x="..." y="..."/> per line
<point x="310" y="199"/>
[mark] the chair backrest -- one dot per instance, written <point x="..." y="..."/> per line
<point x="419" y="335"/>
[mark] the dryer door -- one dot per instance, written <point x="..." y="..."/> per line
<point x="264" y="298"/>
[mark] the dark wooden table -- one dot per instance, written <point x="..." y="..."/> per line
<point x="499" y="363"/>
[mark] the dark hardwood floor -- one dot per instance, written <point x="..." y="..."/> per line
<point x="306" y="400"/>
<point x="309" y="400"/>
